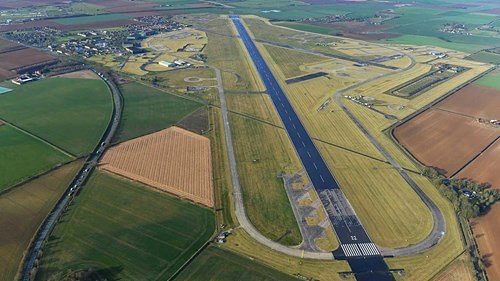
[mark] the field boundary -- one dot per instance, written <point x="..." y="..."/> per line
<point x="476" y="156"/>
<point x="39" y="138"/>
<point x="390" y="130"/>
<point x="26" y="251"/>
<point x="35" y="176"/>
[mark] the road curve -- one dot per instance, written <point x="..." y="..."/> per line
<point x="439" y="223"/>
<point x="238" y="196"/>
<point x="51" y="220"/>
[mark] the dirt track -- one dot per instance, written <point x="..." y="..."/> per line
<point x="173" y="160"/>
<point x="487" y="233"/>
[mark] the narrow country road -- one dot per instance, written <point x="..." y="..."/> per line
<point x="51" y="220"/>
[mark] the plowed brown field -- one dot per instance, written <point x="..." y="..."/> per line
<point x="444" y="140"/>
<point x="485" y="167"/>
<point x="173" y="160"/>
<point x="487" y="233"/>
<point x="475" y="101"/>
<point x="23" y="58"/>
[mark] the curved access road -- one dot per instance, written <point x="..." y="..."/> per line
<point x="51" y="220"/>
<point x="439" y="224"/>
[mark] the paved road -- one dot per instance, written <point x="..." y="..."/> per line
<point x="92" y="160"/>
<point x="238" y="197"/>
<point x="356" y="246"/>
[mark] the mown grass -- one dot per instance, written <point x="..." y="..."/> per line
<point x="125" y="231"/>
<point x="147" y="110"/>
<point x="70" y="113"/>
<point x="242" y="243"/>
<point x="217" y="264"/>
<point x="290" y="60"/>
<point x="263" y="150"/>
<point x="22" y="156"/>
<point x="262" y="153"/>
<point x="23" y="210"/>
<point x="227" y="53"/>
<point x="490" y="80"/>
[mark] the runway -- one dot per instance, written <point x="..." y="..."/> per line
<point x="356" y="246"/>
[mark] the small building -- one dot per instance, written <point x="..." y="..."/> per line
<point x="166" y="63"/>
<point x="24" y="78"/>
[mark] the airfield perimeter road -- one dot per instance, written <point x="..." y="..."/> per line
<point x="92" y="160"/>
<point x="238" y="197"/>
<point x="356" y="246"/>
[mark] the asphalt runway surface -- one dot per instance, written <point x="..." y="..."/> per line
<point x="356" y="246"/>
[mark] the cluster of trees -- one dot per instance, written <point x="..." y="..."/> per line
<point x="470" y="199"/>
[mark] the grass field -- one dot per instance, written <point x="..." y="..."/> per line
<point x="23" y="209"/>
<point x="68" y="112"/>
<point x="410" y="39"/>
<point x="222" y="265"/>
<point x="486" y="57"/>
<point x="262" y="152"/>
<point x="91" y="19"/>
<point x="490" y="80"/>
<point x="147" y="110"/>
<point x="307" y="27"/>
<point x="242" y="243"/>
<point x="22" y="156"/>
<point x="290" y="60"/>
<point x="227" y="54"/>
<point x="125" y="231"/>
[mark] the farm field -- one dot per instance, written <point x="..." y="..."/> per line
<point x="222" y="265"/>
<point x="91" y="19"/>
<point x="490" y="80"/>
<point x="460" y="269"/>
<point x="487" y="233"/>
<point x="70" y="113"/>
<point x="17" y="59"/>
<point x="22" y="156"/>
<point x="125" y="231"/>
<point x="452" y="134"/>
<point x="173" y="160"/>
<point x="147" y="110"/>
<point x="14" y="56"/>
<point x="485" y="167"/>
<point x="23" y="209"/>
<point x="475" y="101"/>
